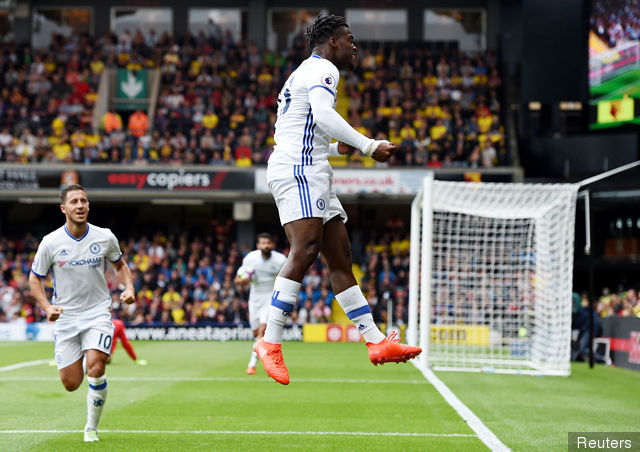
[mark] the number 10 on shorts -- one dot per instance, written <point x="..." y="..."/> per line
<point x="107" y="341"/>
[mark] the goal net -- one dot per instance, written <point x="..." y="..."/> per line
<point x="491" y="276"/>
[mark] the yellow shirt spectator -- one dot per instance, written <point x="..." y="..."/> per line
<point x="79" y="139"/>
<point x="58" y="126"/>
<point x="485" y="123"/>
<point x="407" y="133"/>
<point x="265" y="78"/>
<point x="62" y="150"/>
<point x="170" y="298"/>
<point x="97" y="67"/>
<point x="430" y="80"/>
<point x="178" y="315"/>
<point x="432" y="111"/>
<point x="210" y="121"/>
<point x="400" y="247"/>
<point x="92" y="139"/>
<point x="195" y="66"/>
<point x="438" y="131"/>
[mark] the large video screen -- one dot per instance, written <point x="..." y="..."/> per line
<point x="614" y="63"/>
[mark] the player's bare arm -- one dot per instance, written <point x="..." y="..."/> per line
<point x="124" y="276"/>
<point x="37" y="290"/>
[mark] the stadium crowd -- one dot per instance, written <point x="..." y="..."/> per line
<point x="189" y="280"/>
<point x="182" y="279"/>
<point x="623" y="303"/>
<point x="616" y="21"/>
<point x="217" y="99"/>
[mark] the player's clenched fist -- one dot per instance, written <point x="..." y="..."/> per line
<point x="384" y="151"/>
<point x="127" y="296"/>
<point x="53" y="313"/>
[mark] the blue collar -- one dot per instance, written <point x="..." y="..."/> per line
<point x="74" y="238"/>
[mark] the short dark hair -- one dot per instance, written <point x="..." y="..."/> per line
<point x="63" y="194"/>
<point x="323" y="28"/>
<point x="265" y="235"/>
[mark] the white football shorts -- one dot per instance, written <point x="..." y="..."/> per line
<point x="72" y="338"/>
<point x="259" y="312"/>
<point x="304" y="192"/>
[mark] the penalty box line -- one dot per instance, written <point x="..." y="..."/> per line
<point x="246" y="432"/>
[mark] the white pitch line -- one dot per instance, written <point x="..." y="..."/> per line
<point x="231" y="379"/>
<point x="484" y="434"/>
<point x="24" y="364"/>
<point x="245" y="432"/>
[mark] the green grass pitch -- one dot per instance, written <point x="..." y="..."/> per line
<point x="196" y="396"/>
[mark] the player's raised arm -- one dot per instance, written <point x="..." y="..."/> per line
<point x="329" y="120"/>
<point x="124" y="276"/>
<point x="37" y="290"/>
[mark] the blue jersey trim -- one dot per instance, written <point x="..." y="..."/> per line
<point x="74" y="238"/>
<point x="321" y="86"/>
<point x="305" y="136"/>
<point x="118" y="259"/>
<point x="316" y="56"/>
<point x="38" y="275"/>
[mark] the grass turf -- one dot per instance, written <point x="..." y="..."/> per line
<point x="201" y="386"/>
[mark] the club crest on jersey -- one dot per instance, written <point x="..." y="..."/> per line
<point x="320" y="204"/>
<point x="328" y="81"/>
<point x="94" y="248"/>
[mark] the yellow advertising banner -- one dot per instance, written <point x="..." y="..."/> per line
<point x="460" y="335"/>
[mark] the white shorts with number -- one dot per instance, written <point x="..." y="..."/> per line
<point x="304" y="192"/>
<point x="73" y="337"/>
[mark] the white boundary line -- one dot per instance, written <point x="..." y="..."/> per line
<point x="246" y="432"/>
<point x="259" y="379"/>
<point x="24" y="364"/>
<point x="485" y="435"/>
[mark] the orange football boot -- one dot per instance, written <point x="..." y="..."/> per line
<point x="390" y="350"/>
<point x="271" y="357"/>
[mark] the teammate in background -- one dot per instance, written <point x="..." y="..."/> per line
<point x="260" y="268"/>
<point x="77" y="254"/>
<point x="301" y="181"/>
<point x="119" y="332"/>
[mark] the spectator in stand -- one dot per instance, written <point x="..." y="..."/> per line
<point x="111" y="121"/>
<point x="138" y="124"/>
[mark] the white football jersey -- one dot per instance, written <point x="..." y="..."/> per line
<point x="266" y="271"/>
<point x="298" y="140"/>
<point x="77" y="268"/>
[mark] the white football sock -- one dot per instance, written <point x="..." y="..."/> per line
<point x="96" y="397"/>
<point x="357" y="309"/>
<point x="254" y="358"/>
<point x="283" y="300"/>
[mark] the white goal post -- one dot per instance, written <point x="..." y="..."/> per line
<point x="491" y="276"/>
